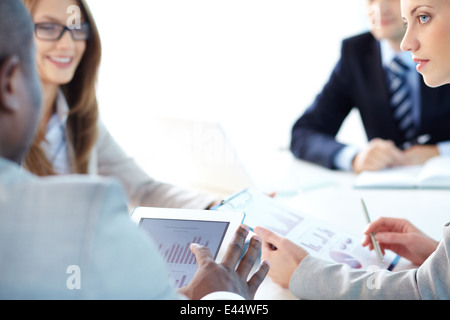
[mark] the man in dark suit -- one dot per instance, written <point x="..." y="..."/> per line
<point x="361" y="80"/>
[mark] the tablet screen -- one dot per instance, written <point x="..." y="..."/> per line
<point x="173" y="238"/>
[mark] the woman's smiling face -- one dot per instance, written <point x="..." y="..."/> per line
<point x="57" y="60"/>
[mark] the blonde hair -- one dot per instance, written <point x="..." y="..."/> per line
<point x="81" y="97"/>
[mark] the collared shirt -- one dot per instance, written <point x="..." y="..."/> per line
<point x="55" y="143"/>
<point x="344" y="158"/>
<point x="387" y="55"/>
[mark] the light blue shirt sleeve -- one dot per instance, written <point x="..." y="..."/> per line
<point x="344" y="158"/>
<point x="444" y="148"/>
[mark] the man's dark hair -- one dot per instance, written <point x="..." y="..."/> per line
<point x="16" y="31"/>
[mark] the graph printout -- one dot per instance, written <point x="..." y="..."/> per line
<point x="319" y="238"/>
<point x="173" y="238"/>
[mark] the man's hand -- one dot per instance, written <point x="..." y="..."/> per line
<point x="419" y="154"/>
<point x="230" y="275"/>
<point x="379" y="154"/>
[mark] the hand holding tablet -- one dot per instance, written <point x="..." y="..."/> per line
<point x="231" y="274"/>
<point x="202" y="249"/>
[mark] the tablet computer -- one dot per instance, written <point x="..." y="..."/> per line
<point x="173" y="231"/>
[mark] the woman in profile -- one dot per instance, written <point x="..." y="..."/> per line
<point x="428" y="39"/>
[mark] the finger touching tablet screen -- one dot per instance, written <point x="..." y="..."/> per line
<point x="173" y="231"/>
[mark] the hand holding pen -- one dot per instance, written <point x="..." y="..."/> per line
<point x="373" y="240"/>
<point x="401" y="237"/>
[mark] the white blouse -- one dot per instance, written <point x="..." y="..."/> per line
<point x="108" y="159"/>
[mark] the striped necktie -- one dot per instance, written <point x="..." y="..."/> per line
<point x="401" y="99"/>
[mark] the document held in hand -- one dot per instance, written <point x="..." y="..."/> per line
<point x="319" y="238"/>
<point x="434" y="174"/>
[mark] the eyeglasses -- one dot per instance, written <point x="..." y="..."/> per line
<point x="54" y="31"/>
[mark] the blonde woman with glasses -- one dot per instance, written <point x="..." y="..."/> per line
<point x="71" y="138"/>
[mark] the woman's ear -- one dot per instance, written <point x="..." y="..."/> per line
<point x="10" y="80"/>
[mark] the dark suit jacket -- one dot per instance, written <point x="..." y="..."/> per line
<point x="359" y="81"/>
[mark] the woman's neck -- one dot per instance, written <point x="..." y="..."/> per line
<point x="50" y="92"/>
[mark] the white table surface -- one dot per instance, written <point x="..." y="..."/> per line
<point x="329" y="195"/>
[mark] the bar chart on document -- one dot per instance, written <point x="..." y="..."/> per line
<point x="173" y="239"/>
<point x="319" y="238"/>
<point x="330" y="243"/>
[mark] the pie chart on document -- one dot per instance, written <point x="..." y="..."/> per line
<point x="341" y="257"/>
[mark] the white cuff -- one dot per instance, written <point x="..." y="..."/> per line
<point x="222" y="295"/>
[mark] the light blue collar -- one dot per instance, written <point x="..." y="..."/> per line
<point x="388" y="54"/>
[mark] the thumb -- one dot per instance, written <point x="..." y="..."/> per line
<point x="268" y="236"/>
<point x="202" y="253"/>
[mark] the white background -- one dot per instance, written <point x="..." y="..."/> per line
<point x="254" y="65"/>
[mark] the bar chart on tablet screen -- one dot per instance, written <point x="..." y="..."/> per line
<point x="181" y="259"/>
<point x="173" y="239"/>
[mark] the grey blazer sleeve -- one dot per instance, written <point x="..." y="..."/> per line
<point x="319" y="279"/>
<point x="70" y="237"/>
<point x="142" y="190"/>
<point x="122" y="262"/>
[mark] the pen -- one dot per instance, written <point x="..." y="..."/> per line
<point x="372" y="237"/>
<point x="419" y="140"/>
